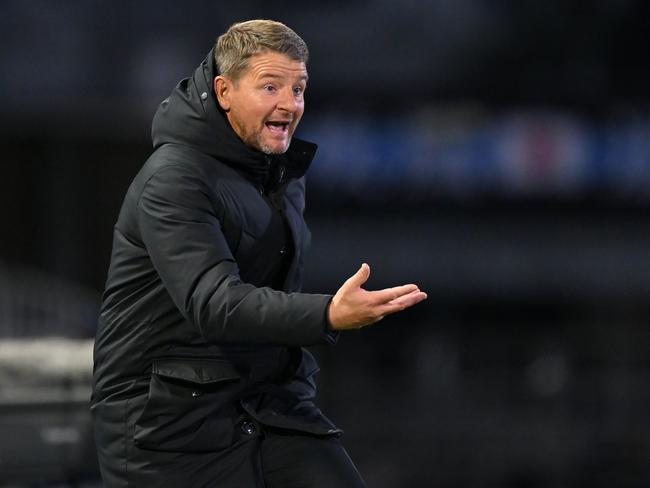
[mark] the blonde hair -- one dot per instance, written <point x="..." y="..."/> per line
<point x="242" y="40"/>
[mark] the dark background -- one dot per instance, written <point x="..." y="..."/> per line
<point x="496" y="153"/>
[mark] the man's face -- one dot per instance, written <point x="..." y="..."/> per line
<point x="266" y="103"/>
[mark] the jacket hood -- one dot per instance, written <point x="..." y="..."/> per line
<point x="191" y="116"/>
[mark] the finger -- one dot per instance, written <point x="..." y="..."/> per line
<point x="403" y="302"/>
<point x="409" y="299"/>
<point x="358" y="278"/>
<point x="388" y="294"/>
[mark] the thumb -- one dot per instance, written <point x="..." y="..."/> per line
<point x="360" y="277"/>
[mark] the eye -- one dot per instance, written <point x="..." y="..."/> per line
<point x="269" y="88"/>
<point x="298" y="90"/>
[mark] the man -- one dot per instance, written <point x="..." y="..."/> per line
<point x="200" y="378"/>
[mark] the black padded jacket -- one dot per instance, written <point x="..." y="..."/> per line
<point x="189" y="339"/>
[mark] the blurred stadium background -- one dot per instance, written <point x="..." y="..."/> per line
<point x="495" y="153"/>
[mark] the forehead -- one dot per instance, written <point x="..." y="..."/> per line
<point x="273" y="65"/>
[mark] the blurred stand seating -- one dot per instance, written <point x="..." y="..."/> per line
<point x="45" y="373"/>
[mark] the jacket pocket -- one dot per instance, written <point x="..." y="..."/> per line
<point x="191" y="406"/>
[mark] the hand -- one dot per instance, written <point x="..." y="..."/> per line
<point x="353" y="307"/>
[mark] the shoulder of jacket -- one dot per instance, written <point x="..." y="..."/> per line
<point x="177" y="159"/>
<point x="173" y="170"/>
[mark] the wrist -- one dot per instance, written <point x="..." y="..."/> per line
<point x="330" y="316"/>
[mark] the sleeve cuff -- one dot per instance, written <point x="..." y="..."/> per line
<point x="331" y="335"/>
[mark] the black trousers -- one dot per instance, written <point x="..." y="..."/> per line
<point x="261" y="459"/>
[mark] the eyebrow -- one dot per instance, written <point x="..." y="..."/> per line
<point x="304" y="77"/>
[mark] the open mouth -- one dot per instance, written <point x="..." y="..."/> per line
<point x="277" y="127"/>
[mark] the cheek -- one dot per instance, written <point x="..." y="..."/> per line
<point x="258" y="113"/>
<point x="298" y="114"/>
<point x="251" y="119"/>
<point x="250" y="109"/>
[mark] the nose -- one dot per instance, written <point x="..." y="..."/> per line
<point x="288" y="100"/>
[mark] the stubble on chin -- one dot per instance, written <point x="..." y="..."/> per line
<point x="271" y="151"/>
<point x="266" y="149"/>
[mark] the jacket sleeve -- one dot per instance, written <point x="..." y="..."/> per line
<point x="183" y="237"/>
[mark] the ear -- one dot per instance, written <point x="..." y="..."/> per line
<point x="223" y="90"/>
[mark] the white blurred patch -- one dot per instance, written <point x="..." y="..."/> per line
<point x="45" y="360"/>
